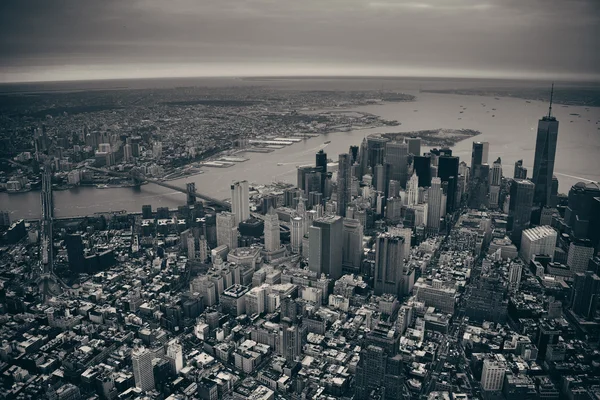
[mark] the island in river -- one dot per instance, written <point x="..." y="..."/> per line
<point x="435" y="137"/>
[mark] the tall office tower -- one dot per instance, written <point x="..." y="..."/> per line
<point x="434" y="170"/>
<point x="393" y="210"/>
<point x="448" y="172"/>
<point x="202" y="248"/>
<point x="494" y="197"/>
<point x="520" y="170"/>
<point x="434" y="205"/>
<point x="143" y="371"/>
<point x="75" y="248"/>
<point x="514" y="275"/>
<point x="396" y="154"/>
<point x="492" y="376"/>
<point x="545" y="154"/>
<point x="175" y="355"/>
<point x="325" y="242"/>
<point x="434" y="154"/>
<point x="376" y="150"/>
<point x="479" y="155"/>
<point x="370" y="372"/>
<point x="240" y="201"/>
<point x="412" y="190"/>
<point x="495" y="182"/>
<point x="496" y="173"/>
<point x="586" y="294"/>
<point x="405" y="233"/>
<point x="422" y="167"/>
<point x="394" y="188"/>
<point x="363" y="156"/>
<point x="300" y="206"/>
<point x="414" y="146"/>
<point x="578" y="215"/>
<point x="519" y="209"/>
<point x="267" y="202"/>
<point x="554" y="192"/>
<point x="389" y="264"/>
<point x="127" y="152"/>
<point x="479" y="187"/>
<point x="379" y="178"/>
<point x="272" y="240"/>
<point x="580" y="253"/>
<point x="594" y="234"/>
<point x="191" y="247"/>
<point x="313" y="182"/>
<point x="344" y="183"/>
<point x="309" y="179"/>
<point x="134" y="141"/>
<point x="227" y="231"/>
<point x="315" y="199"/>
<point x="353" y="151"/>
<point x="464" y="170"/>
<point x="536" y="241"/>
<point x="104" y="148"/>
<point x="321" y="161"/>
<point x="5" y="218"/>
<point x="157" y="149"/>
<point x="289" y="195"/>
<point x="352" y="245"/>
<point x="297" y="234"/>
<point x="290" y="342"/>
<point x="147" y="211"/>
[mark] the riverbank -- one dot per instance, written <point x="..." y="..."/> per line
<point x="511" y="135"/>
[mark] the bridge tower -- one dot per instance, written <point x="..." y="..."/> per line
<point x="191" y="193"/>
<point x="136" y="176"/>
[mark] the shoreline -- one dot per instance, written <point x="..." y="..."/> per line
<point x="435" y="110"/>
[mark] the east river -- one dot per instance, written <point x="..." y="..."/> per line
<point x="510" y="129"/>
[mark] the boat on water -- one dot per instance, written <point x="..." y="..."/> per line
<point x="14" y="191"/>
<point x="279" y="164"/>
<point x="115" y="185"/>
<point x="327" y="142"/>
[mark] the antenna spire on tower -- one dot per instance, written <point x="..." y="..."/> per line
<point x="551" y="96"/>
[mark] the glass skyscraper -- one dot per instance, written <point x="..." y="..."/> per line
<point x="344" y="181"/>
<point x="519" y="214"/>
<point x="479" y="155"/>
<point x="545" y="154"/>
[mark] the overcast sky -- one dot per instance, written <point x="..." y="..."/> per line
<point x="99" y="39"/>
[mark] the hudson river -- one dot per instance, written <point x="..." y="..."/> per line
<point x="510" y="129"/>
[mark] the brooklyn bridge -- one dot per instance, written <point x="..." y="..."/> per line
<point x="190" y="190"/>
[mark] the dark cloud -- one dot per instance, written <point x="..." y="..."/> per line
<point x="53" y="39"/>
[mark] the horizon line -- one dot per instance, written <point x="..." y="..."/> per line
<point x="566" y="78"/>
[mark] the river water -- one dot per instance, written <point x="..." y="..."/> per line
<point x="510" y="129"/>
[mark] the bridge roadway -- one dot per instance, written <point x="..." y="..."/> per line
<point x="209" y="199"/>
<point x="47" y="276"/>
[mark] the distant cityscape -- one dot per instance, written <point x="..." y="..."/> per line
<point x="388" y="272"/>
